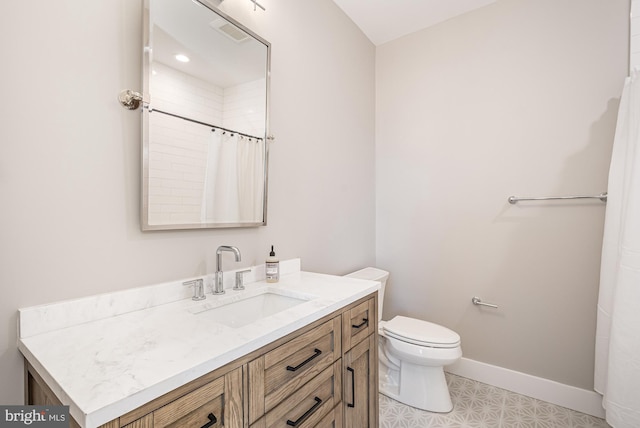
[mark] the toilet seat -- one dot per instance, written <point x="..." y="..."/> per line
<point x="421" y="333"/>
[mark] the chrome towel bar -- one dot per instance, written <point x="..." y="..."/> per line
<point x="513" y="199"/>
<point x="476" y="301"/>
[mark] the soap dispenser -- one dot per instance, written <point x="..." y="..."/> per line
<point x="272" y="267"/>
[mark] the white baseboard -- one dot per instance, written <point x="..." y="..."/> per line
<point x="582" y="400"/>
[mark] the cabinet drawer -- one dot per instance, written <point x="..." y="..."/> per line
<point x="358" y="323"/>
<point x="280" y="372"/>
<point x="216" y="404"/>
<point x="310" y="406"/>
<point x="333" y="419"/>
<point x="194" y="408"/>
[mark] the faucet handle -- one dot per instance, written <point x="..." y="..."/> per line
<point x="198" y="288"/>
<point x="240" y="279"/>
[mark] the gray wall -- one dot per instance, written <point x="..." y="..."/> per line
<point x="517" y="98"/>
<point x="69" y="155"/>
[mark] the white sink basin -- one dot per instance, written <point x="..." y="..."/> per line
<point x="238" y="313"/>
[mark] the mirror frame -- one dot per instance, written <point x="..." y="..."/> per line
<point x="146" y="76"/>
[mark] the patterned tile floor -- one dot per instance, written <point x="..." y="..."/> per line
<point x="478" y="405"/>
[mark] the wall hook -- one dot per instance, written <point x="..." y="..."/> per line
<point x="130" y="99"/>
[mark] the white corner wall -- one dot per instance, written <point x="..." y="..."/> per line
<point x="517" y="98"/>
<point x="70" y="155"/>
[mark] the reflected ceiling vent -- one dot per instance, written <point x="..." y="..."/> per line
<point x="229" y="30"/>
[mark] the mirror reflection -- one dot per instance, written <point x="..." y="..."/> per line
<point x="205" y="119"/>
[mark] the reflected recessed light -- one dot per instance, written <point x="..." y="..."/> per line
<point x="182" y="58"/>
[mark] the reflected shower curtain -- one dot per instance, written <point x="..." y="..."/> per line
<point x="617" y="368"/>
<point x="233" y="186"/>
<point x="250" y="169"/>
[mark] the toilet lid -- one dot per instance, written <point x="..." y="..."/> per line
<point x="421" y="332"/>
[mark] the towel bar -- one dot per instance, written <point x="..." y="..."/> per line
<point x="513" y="199"/>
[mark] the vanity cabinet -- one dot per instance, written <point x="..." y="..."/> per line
<point x="322" y="375"/>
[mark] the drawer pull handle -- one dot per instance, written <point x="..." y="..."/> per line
<point x="353" y="388"/>
<point x="317" y="353"/>
<point x="364" y="322"/>
<point x="306" y="414"/>
<point x="212" y="420"/>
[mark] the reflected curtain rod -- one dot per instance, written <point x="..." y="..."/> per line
<point x="151" y="110"/>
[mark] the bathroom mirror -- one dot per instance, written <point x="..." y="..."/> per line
<point x="204" y="119"/>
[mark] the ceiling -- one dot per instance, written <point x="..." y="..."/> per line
<point x="188" y="28"/>
<point x="385" y="20"/>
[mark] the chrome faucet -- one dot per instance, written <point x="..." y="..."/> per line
<point x="218" y="287"/>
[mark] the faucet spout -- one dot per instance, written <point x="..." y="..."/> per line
<point x="229" y="248"/>
<point x="218" y="287"/>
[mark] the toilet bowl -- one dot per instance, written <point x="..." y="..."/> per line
<point x="412" y="355"/>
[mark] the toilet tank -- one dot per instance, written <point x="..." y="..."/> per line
<point x="374" y="274"/>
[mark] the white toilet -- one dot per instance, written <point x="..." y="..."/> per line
<point x="412" y="355"/>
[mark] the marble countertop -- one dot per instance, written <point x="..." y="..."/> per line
<point x="109" y="354"/>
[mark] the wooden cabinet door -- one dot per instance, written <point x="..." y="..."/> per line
<point x="360" y="380"/>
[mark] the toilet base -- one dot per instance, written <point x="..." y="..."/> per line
<point x="420" y="386"/>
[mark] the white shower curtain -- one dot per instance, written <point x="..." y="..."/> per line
<point x="233" y="190"/>
<point x="617" y="366"/>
